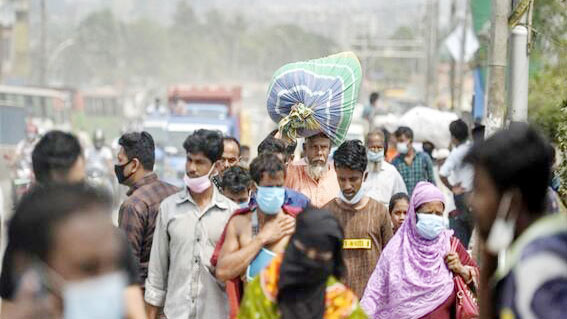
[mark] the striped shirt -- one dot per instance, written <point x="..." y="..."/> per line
<point x="420" y="170"/>
<point x="137" y="217"/>
<point x="367" y="230"/>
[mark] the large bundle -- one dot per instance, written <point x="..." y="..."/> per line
<point x="307" y="98"/>
<point x="429" y="124"/>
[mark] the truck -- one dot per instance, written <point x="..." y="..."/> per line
<point x="190" y="108"/>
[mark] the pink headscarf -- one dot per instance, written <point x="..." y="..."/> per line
<point x="411" y="278"/>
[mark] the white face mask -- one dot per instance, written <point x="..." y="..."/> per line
<point x="402" y="148"/>
<point x="502" y="231"/>
<point x="99" y="297"/>
<point x="356" y="198"/>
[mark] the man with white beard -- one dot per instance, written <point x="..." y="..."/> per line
<point x="313" y="176"/>
<point x="383" y="180"/>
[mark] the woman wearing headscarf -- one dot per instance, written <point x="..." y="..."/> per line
<point x="414" y="276"/>
<point x="303" y="282"/>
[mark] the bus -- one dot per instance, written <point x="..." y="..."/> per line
<point x="47" y="108"/>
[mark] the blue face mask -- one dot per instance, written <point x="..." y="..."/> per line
<point x="100" y="297"/>
<point x="375" y="157"/>
<point x="270" y="199"/>
<point x="429" y="226"/>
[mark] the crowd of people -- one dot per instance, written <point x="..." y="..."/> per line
<point x="344" y="235"/>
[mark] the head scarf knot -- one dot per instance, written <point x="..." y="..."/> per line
<point x="411" y="278"/>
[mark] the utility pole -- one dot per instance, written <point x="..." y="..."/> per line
<point x="43" y="45"/>
<point x="520" y="60"/>
<point x="496" y="84"/>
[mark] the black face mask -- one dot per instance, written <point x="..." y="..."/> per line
<point x="119" y="171"/>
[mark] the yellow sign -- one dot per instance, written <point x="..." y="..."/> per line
<point x="357" y="244"/>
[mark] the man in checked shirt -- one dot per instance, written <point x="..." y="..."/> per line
<point x="137" y="215"/>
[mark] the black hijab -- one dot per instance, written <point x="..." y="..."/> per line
<point x="302" y="283"/>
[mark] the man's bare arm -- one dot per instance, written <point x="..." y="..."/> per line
<point x="234" y="258"/>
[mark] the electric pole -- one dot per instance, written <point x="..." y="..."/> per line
<point x="496" y="84"/>
<point x="520" y="60"/>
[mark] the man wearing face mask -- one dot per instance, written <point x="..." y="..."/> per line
<point x="138" y="213"/>
<point x="58" y="160"/>
<point x="254" y="234"/>
<point x="366" y="222"/>
<point x="512" y="171"/>
<point x="304" y="281"/>
<point x="414" y="166"/>
<point x="315" y="178"/>
<point x="189" y="225"/>
<point x="384" y="180"/>
<point x="68" y="255"/>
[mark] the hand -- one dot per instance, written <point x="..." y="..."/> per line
<point x="454" y="263"/>
<point x="277" y="228"/>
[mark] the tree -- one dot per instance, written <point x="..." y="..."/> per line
<point x="548" y="85"/>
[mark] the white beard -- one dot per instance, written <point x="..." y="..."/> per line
<point x="374" y="167"/>
<point x="316" y="171"/>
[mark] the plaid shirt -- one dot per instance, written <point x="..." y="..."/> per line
<point x="137" y="217"/>
<point x="420" y="170"/>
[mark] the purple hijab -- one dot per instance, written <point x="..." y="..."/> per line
<point x="411" y="278"/>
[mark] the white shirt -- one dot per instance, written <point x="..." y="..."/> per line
<point x="454" y="167"/>
<point x="384" y="184"/>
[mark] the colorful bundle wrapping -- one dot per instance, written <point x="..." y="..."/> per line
<point x="307" y="98"/>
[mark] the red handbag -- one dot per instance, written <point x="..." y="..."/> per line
<point x="466" y="303"/>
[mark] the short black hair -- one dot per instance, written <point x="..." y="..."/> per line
<point x="55" y="151"/>
<point x="265" y="163"/>
<point x="139" y="145"/>
<point x="459" y="130"/>
<point x="518" y="157"/>
<point x="235" y="179"/>
<point x="31" y="229"/>
<point x="405" y="131"/>
<point x="352" y="155"/>
<point x="234" y="140"/>
<point x="290" y="146"/>
<point x="208" y="142"/>
<point x="272" y="145"/>
<point x="428" y="147"/>
<point x="373" y="97"/>
<point x="395" y="199"/>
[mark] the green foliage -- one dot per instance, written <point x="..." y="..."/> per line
<point x="548" y="82"/>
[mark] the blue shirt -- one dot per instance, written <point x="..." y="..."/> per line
<point x="532" y="283"/>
